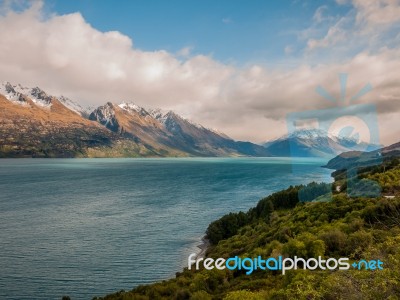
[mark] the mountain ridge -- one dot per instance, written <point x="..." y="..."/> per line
<point x="156" y="132"/>
<point x="313" y="143"/>
<point x="360" y="159"/>
<point x="126" y="129"/>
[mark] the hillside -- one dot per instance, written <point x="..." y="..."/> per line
<point x="360" y="159"/>
<point x="36" y="124"/>
<point x="282" y="225"/>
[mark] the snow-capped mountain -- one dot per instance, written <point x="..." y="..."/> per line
<point x="105" y="115"/>
<point x="75" y="106"/>
<point x="313" y="143"/>
<point x="11" y="94"/>
<point x="35" y="123"/>
<point x="38" y="96"/>
<point x="166" y="117"/>
<point x="132" y="107"/>
<point x="19" y="95"/>
<point x="152" y="131"/>
<point x="17" y="92"/>
<point x="158" y="114"/>
<point x="157" y="127"/>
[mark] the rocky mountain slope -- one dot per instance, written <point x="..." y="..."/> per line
<point x="35" y="124"/>
<point x="42" y="126"/>
<point x="155" y="127"/>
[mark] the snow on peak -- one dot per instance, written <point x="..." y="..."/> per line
<point x="199" y="126"/>
<point x="40" y="98"/>
<point x="164" y="116"/>
<point x="104" y="113"/>
<point x="73" y="105"/>
<point x="316" y="135"/>
<point x="159" y="114"/>
<point x="132" y="107"/>
<point x="16" y="93"/>
<point x="129" y="106"/>
<point x="309" y="133"/>
<point x="220" y="133"/>
<point x="7" y="90"/>
<point x="11" y="94"/>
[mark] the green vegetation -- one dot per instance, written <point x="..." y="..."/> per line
<point x="386" y="177"/>
<point x="229" y="224"/>
<point x="293" y="222"/>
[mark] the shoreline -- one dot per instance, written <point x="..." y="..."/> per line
<point x="203" y="246"/>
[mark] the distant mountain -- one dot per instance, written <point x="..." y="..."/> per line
<point x="311" y="143"/>
<point x="36" y="124"/>
<point x="170" y="131"/>
<point x="360" y="158"/>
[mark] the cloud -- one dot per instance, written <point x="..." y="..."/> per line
<point x="227" y="20"/>
<point x="336" y="34"/>
<point x="185" y="52"/>
<point x="319" y="15"/>
<point x="377" y="12"/>
<point x="64" y="54"/>
<point x="366" y="24"/>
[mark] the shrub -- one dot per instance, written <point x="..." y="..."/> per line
<point x="335" y="241"/>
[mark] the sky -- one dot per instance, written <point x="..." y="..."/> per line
<point x="237" y="66"/>
<point x="206" y="27"/>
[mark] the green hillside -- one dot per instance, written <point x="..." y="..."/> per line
<point x="310" y="225"/>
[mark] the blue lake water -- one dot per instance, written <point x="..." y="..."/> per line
<point x="89" y="227"/>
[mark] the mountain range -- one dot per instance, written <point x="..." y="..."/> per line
<point x="36" y="124"/>
<point x="313" y="143"/>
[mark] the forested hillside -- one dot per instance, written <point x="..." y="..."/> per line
<point x="290" y="223"/>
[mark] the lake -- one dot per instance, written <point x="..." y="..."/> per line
<point x="89" y="227"/>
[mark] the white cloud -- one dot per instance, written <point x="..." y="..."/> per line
<point x="377" y="12"/>
<point x="365" y="24"/>
<point x="65" y="55"/>
<point x="319" y="15"/>
<point x="335" y="35"/>
<point x="185" y="52"/>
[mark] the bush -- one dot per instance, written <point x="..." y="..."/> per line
<point x="335" y="241"/>
<point x="358" y="242"/>
<point x="201" y="295"/>
<point x="314" y="190"/>
<point x="241" y="295"/>
<point x="226" y="226"/>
